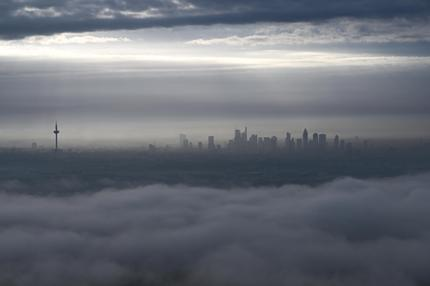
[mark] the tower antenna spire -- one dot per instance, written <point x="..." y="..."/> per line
<point x="56" y="132"/>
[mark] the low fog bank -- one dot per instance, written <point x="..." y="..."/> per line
<point x="346" y="232"/>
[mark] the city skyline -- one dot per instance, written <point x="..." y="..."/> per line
<point x="254" y="141"/>
<point x="350" y="73"/>
<point x="214" y="142"/>
<point x="241" y="141"/>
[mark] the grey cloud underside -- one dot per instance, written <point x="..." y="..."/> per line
<point x="79" y="16"/>
<point x="209" y="94"/>
<point x="347" y="232"/>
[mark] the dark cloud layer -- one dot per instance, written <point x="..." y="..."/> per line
<point x="23" y="18"/>
<point x="348" y="232"/>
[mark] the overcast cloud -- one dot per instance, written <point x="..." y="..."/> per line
<point x="25" y="18"/>
<point x="79" y="60"/>
<point x="157" y="101"/>
<point x="348" y="232"/>
<point x="332" y="32"/>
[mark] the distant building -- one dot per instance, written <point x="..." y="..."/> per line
<point x="34" y="145"/>
<point x="237" y="137"/>
<point x="266" y="142"/>
<point x="336" y="142"/>
<point x="273" y="142"/>
<point x="260" y="141"/>
<point x="152" y="148"/>
<point x="305" y="138"/>
<point x="200" y="145"/>
<point x="322" y="140"/>
<point x="315" y="139"/>
<point x="240" y="138"/>
<point x="245" y="135"/>
<point x="211" y="143"/>
<point x="299" y="143"/>
<point x="253" y="141"/>
<point x="183" y="141"/>
<point x="288" y="140"/>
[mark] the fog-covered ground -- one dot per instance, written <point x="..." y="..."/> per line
<point x="345" y="232"/>
<point x="131" y="217"/>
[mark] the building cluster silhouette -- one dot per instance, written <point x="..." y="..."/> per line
<point x="241" y="142"/>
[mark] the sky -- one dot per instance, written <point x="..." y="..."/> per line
<point x="129" y="73"/>
<point x="145" y="71"/>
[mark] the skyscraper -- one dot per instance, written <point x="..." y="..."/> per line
<point x="237" y="137"/>
<point x="336" y="142"/>
<point x="273" y="142"/>
<point x="245" y="135"/>
<point x="211" y="143"/>
<point x="305" y="138"/>
<point x="56" y="132"/>
<point x="183" y="142"/>
<point x="322" y="140"/>
<point x="253" y="140"/>
<point x="288" y="140"/>
<point x="315" y="139"/>
<point x="240" y="138"/>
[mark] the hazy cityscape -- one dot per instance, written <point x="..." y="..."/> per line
<point x="214" y="143"/>
<point x="241" y="142"/>
<point x="242" y="161"/>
